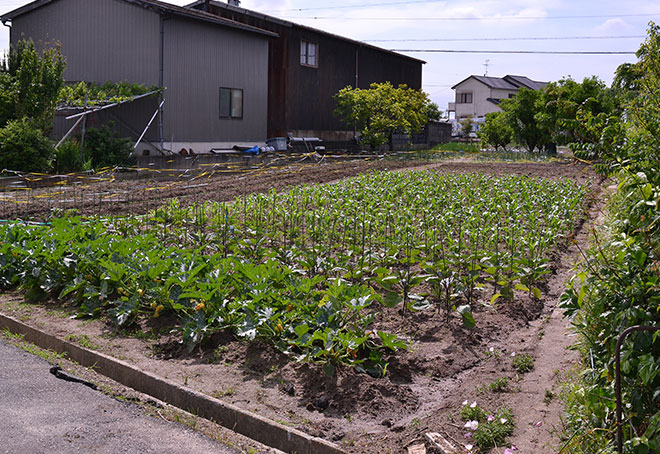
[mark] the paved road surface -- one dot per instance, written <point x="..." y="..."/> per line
<point x="42" y="414"/>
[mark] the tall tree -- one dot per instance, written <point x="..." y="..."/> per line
<point x="496" y="131"/>
<point x="520" y="113"/>
<point x="31" y="84"/>
<point x="560" y="102"/>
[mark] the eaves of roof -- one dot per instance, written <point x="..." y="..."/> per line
<point x="158" y="6"/>
<point x="286" y="23"/>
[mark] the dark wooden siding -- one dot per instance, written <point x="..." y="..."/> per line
<point x="302" y="98"/>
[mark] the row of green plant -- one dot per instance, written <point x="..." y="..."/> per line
<point x="619" y="285"/>
<point x="91" y="94"/>
<point x="419" y="238"/>
<point x="127" y="276"/>
<point x="305" y="270"/>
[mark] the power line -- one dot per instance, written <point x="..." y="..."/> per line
<point x="602" y="16"/>
<point x="364" y="5"/>
<point x="503" y="39"/>
<point x="553" y="52"/>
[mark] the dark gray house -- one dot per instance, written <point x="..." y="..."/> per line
<point x="307" y="67"/>
<point x="215" y="70"/>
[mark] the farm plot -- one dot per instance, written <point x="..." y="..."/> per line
<point x="322" y="275"/>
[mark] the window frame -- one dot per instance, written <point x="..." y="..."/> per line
<point x="231" y="91"/>
<point x="304" y="55"/>
<point x="461" y="98"/>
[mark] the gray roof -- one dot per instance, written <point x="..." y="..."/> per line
<point x="523" y="81"/>
<point x="286" y="23"/>
<point x="158" y="6"/>
<point x="506" y="82"/>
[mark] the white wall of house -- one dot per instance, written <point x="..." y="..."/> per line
<point x="480" y="104"/>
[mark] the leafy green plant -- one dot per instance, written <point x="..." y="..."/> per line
<point x="618" y="285"/>
<point x="68" y="158"/>
<point x="33" y="83"/>
<point x="495" y="429"/>
<point x="523" y="363"/>
<point x="24" y="147"/>
<point x="104" y="147"/>
<point x="500" y="385"/>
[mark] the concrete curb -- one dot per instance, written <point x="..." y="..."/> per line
<point x="243" y="422"/>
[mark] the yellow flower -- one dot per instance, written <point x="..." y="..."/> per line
<point x="159" y="308"/>
<point x="199" y="307"/>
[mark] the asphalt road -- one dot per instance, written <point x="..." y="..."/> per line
<point x="40" y="413"/>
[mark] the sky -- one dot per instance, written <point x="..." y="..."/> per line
<point x="475" y="25"/>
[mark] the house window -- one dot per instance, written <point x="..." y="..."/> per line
<point x="464" y="98"/>
<point x="309" y="54"/>
<point x="231" y="103"/>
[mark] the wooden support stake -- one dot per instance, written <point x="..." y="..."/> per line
<point x="439" y="442"/>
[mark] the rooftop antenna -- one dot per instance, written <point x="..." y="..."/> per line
<point x="486" y="65"/>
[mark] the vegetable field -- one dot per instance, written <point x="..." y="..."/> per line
<point x="310" y="270"/>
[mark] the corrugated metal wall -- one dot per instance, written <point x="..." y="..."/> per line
<point x="199" y="59"/>
<point x="112" y="40"/>
<point x="101" y="39"/>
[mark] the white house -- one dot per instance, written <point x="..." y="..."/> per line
<point x="478" y="95"/>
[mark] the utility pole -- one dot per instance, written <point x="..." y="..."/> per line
<point x="486" y="65"/>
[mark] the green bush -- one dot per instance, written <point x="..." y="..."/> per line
<point x="68" y="158"/>
<point x="23" y="147"/>
<point x="620" y="284"/>
<point x="105" y="148"/>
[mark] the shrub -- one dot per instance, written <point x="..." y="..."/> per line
<point x="523" y="363"/>
<point x="23" y="147"/>
<point x="68" y="158"/>
<point x="104" y="147"/>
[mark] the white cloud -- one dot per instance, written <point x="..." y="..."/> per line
<point x="616" y="26"/>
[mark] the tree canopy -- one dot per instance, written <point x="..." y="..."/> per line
<point x="31" y="84"/>
<point x="381" y="110"/>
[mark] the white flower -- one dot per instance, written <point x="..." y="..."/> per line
<point x="472" y="425"/>
<point x="503" y="420"/>
<point x="465" y="402"/>
<point x="473" y="404"/>
<point x="468" y="447"/>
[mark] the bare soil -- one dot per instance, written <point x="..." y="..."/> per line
<point x="425" y="386"/>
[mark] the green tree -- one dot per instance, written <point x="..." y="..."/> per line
<point x="560" y="102"/>
<point x="433" y="112"/>
<point x="521" y="115"/>
<point x="381" y="110"/>
<point x="24" y="147"/>
<point x="33" y="82"/>
<point x="627" y="81"/>
<point x="467" y="126"/>
<point x="496" y="131"/>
